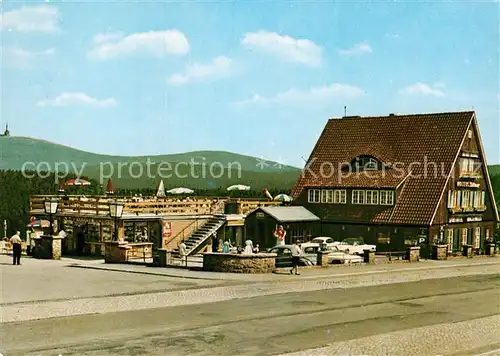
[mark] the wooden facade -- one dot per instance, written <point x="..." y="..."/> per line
<point x="260" y="227"/>
<point x="442" y="195"/>
<point x="163" y="222"/>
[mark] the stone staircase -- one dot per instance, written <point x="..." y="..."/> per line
<point x="201" y="236"/>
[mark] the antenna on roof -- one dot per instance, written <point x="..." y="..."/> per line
<point x="305" y="160"/>
<point x="345" y="111"/>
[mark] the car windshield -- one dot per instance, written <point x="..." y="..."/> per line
<point x="353" y="241"/>
<point x="318" y="240"/>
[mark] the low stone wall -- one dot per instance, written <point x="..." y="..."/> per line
<point x="413" y="254"/>
<point x="239" y="263"/>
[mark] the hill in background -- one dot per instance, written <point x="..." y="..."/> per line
<point x="196" y="170"/>
<point x="199" y="170"/>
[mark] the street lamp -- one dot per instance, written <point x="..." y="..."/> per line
<point x="116" y="212"/>
<point x="50" y="206"/>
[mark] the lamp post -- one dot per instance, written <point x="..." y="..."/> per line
<point x="116" y="212"/>
<point x="51" y="209"/>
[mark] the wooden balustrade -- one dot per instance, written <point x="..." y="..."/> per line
<point x="98" y="205"/>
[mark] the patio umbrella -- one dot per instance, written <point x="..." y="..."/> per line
<point x="283" y="197"/>
<point x="180" y="191"/>
<point x="39" y="223"/>
<point x="160" y="193"/>
<point x="77" y="181"/>
<point x="239" y="187"/>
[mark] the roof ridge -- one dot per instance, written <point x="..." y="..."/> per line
<point x="394" y="115"/>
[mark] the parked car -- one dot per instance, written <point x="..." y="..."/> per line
<point x="355" y="246"/>
<point x="284" y="256"/>
<point x="334" y="254"/>
<point x="324" y="240"/>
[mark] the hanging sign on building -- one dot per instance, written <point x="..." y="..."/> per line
<point x="456" y="220"/>
<point x="167" y="229"/>
<point x="474" y="218"/>
<point x="468" y="184"/>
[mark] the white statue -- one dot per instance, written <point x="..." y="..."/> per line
<point x="248" y="247"/>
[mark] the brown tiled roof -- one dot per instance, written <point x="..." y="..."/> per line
<point x="409" y="141"/>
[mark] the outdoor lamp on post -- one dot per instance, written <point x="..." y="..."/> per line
<point x="50" y="206"/>
<point x="116" y="212"/>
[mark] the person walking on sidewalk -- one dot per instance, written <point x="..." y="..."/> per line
<point x="296" y="253"/>
<point x="16" y="248"/>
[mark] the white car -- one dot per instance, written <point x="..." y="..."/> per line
<point x="334" y="254"/>
<point x="324" y="240"/>
<point x="355" y="246"/>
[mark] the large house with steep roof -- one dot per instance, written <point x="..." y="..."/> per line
<point x="401" y="180"/>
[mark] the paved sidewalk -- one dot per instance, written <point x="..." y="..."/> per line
<point x="306" y="273"/>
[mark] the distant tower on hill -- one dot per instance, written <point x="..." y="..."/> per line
<point x="6" y="132"/>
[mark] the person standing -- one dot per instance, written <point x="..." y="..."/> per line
<point x="296" y="253"/>
<point x="280" y="235"/>
<point x="16" y="248"/>
<point x="183" y="252"/>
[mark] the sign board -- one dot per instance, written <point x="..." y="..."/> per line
<point x="474" y="218"/>
<point x="260" y="215"/>
<point x="468" y="184"/>
<point x="383" y="240"/>
<point x="456" y="220"/>
<point x="167" y="229"/>
<point x="473" y="155"/>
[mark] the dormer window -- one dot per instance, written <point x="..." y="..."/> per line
<point x="364" y="163"/>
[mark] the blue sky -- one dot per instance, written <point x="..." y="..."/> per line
<point x="261" y="79"/>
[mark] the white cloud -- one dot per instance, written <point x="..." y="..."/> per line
<point x="423" y="89"/>
<point x="41" y="18"/>
<point x="220" y="66"/>
<point x="392" y="35"/>
<point x="326" y="93"/>
<point x="77" y="98"/>
<point x="107" y="37"/>
<point x="156" y="43"/>
<point x="24" y="59"/>
<point x="285" y="47"/>
<point x="360" y="48"/>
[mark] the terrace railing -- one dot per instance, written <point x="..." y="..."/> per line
<point x="99" y="205"/>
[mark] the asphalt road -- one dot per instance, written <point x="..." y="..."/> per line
<point x="283" y="323"/>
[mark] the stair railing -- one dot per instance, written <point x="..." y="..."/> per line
<point x="183" y="231"/>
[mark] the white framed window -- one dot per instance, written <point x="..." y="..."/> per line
<point x="477" y="237"/>
<point x="329" y="196"/>
<point x="368" y="195"/>
<point x="324" y="193"/>
<point x="471" y="166"/>
<point x="463" y="165"/>
<point x="386" y="197"/>
<point x="449" y="240"/>
<point x="465" y="198"/>
<point x="469" y="134"/>
<point x="455" y="199"/>
<point x="340" y="196"/>
<point x="464" y="236"/>
<point x="374" y="197"/>
<point x="483" y="198"/>
<point x="450" y="199"/>
<point x="358" y="197"/>
<point x="390" y="197"/>
<point x="472" y="195"/>
<point x="362" y="197"/>
<point x="314" y="196"/>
